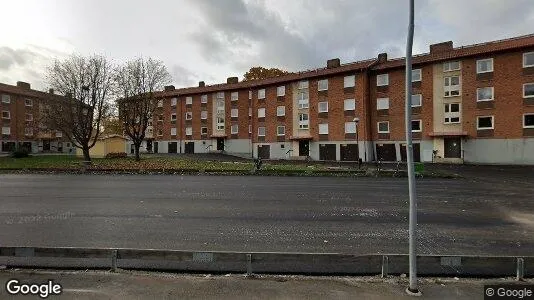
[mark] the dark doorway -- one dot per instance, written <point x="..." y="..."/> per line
<point x="453" y="148"/>
<point x="149" y="145"/>
<point x="386" y="152"/>
<point x="220" y="144"/>
<point x="190" y="147"/>
<point x="155" y="147"/>
<point x="304" y="148"/>
<point x="132" y="149"/>
<point x="264" y="151"/>
<point x="173" y="147"/>
<point x="416" y="152"/>
<point x="349" y="152"/>
<point x="46" y="145"/>
<point x="26" y="146"/>
<point x="327" y="151"/>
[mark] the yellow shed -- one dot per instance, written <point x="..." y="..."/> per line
<point x="112" y="143"/>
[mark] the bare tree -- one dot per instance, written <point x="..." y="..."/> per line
<point x="137" y="82"/>
<point x="86" y="83"/>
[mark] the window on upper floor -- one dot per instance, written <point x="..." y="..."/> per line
<point x="485" y="65"/>
<point x="28" y="131"/>
<point x="350" y="127"/>
<point x="173" y="117"/>
<point x="249" y="95"/>
<point x="281" y="91"/>
<point x="528" y="121"/>
<point x="382" y="80"/>
<point x="322" y="85"/>
<point x="204" y="115"/>
<point x="303" y="99"/>
<point x="383" y="127"/>
<point x="173" y="131"/>
<point x="204" y="99"/>
<point x="416" y="75"/>
<point x="29" y="117"/>
<point x="261" y="112"/>
<point x="234" y="96"/>
<point x="452" y="113"/>
<point x="6" y="130"/>
<point x="382" y="103"/>
<point x="234" y="113"/>
<point x="323" y="128"/>
<point x="189" y="131"/>
<point x="220" y="95"/>
<point x="417" y="126"/>
<point x="234" y="129"/>
<point x="322" y="106"/>
<point x="160" y="103"/>
<point x="188" y="115"/>
<point x="484" y="122"/>
<point x="303" y="84"/>
<point x="261" y="94"/>
<point x="528" y="90"/>
<point x="6" y="114"/>
<point x="451" y="86"/>
<point x="220" y="123"/>
<point x="280" y="111"/>
<point x="261" y="131"/>
<point x="485" y="94"/>
<point x="203" y="130"/>
<point x="417" y="100"/>
<point x="349" y="104"/>
<point x="173" y="101"/>
<point x="188" y="100"/>
<point x="304" y="121"/>
<point x="6" y="99"/>
<point x="451" y="66"/>
<point x="280" y="130"/>
<point x="528" y="59"/>
<point x="349" y="81"/>
<point x="28" y="102"/>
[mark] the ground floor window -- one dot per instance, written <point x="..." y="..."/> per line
<point x="8" y="146"/>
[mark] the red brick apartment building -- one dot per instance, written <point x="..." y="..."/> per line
<point x="20" y="107"/>
<point x="470" y="104"/>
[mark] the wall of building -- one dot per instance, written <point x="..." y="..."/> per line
<point x="499" y="151"/>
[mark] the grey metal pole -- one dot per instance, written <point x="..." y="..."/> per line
<point x="412" y="289"/>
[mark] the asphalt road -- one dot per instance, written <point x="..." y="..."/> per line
<point x="296" y="214"/>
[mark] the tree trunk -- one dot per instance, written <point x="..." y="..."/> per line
<point x="86" y="156"/>
<point x="137" y="157"/>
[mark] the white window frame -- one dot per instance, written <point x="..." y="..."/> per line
<point x="220" y="125"/>
<point x="524" y="119"/>
<point x="58" y="133"/>
<point x="382" y="100"/>
<point x="188" y="100"/>
<point x="420" y="126"/>
<point x="204" y="99"/>
<point x="303" y="84"/>
<point x="322" y="85"/>
<point x="202" y="129"/>
<point x="281" y="91"/>
<point x="304" y="124"/>
<point x="449" y="115"/>
<point x="6" y="130"/>
<point x="250" y="111"/>
<point x="278" y="130"/>
<point x="524" y="90"/>
<point x="261" y="112"/>
<point x="414" y="79"/>
<point x="303" y="102"/>
<point x="8" y="115"/>
<point x="420" y="100"/>
<point x="174" y="101"/>
<point x="449" y="64"/>
<point x="486" y="128"/>
<point x="160" y="132"/>
<point x="324" y="110"/>
<point x="203" y="114"/>
<point x="480" y="61"/>
<point x="280" y="111"/>
<point x="349" y="104"/>
<point x="261" y="94"/>
<point x="492" y="94"/>
<point x="160" y="103"/>
<point x="26" y="102"/>
<point x="260" y="129"/>
<point x="250" y="95"/>
<point x="220" y="95"/>
<point x="236" y="127"/>
<point x="160" y="118"/>
<point x="349" y="126"/>
<point x="188" y="115"/>
<point x="323" y="128"/>
<point x="378" y="126"/>
<point x="6" y="98"/>
<point x="173" y="131"/>
<point x="349" y="81"/>
<point x="189" y="130"/>
<point x="234" y="96"/>
<point x="525" y="59"/>
<point x="173" y="117"/>
<point x="249" y="129"/>
<point x="28" y="131"/>
<point x="29" y="119"/>
<point x="452" y="88"/>
<point x="234" y="113"/>
<point x="384" y="81"/>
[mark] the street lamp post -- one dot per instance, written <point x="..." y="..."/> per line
<point x="357" y="121"/>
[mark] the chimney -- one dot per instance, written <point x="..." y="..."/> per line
<point x="169" y="88"/>
<point x="232" y="80"/>
<point x="333" y="63"/>
<point x="441" y="47"/>
<point x="50" y="91"/>
<point x="201" y="84"/>
<point x="24" y="85"/>
<point x="382" y="57"/>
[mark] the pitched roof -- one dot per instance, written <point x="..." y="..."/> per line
<point x="355" y="66"/>
<point x="464" y="51"/>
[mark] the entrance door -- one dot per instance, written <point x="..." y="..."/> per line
<point x="190" y="147"/>
<point x="386" y="152"/>
<point x="264" y="151"/>
<point x="349" y="152"/>
<point x="220" y="144"/>
<point x="327" y="151"/>
<point x="416" y="152"/>
<point x="155" y="147"/>
<point x="173" y="147"/>
<point x="149" y="145"/>
<point x="453" y="147"/>
<point x="132" y="149"/>
<point x="46" y="145"/>
<point x="304" y="148"/>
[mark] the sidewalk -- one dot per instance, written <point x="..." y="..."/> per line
<point x="151" y="285"/>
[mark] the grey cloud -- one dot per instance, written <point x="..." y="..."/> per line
<point x="10" y="57"/>
<point x="183" y="77"/>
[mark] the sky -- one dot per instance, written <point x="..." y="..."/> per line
<point x="210" y="40"/>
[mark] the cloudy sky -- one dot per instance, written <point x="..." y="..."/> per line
<point x="213" y="39"/>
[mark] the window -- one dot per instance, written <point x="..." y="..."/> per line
<point x="160" y="132"/>
<point x="250" y="111"/>
<point x="249" y="129"/>
<point x="528" y="90"/>
<point x="280" y="111"/>
<point x="150" y="131"/>
<point x="220" y="106"/>
<point x="417" y="100"/>
<point x="349" y="104"/>
<point x="349" y="81"/>
<point x="149" y="123"/>
<point x="452" y="113"/>
<point x="485" y="65"/>
<point x="303" y="84"/>
<point x="322" y="85"/>
<point x="173" y="131"/>
<point x="451" y="66"/>
<point x="173" y="117"/>
<point x="203" y="130"/>
<point x="323" y="128"/>
<point x="528" y="121"/>
<point x="188" y="115"/>
<point x="28" y="102"/>
<point x="220" y="123"/>
<point x="249" y="94"/>
<point x="382" y="103"/>
<point x="485" y="94"/>
<point x="204" y="114"/>
<point x="528" y="59"/>
<point x="234" y="96"/>
<point x="204" y="99"/>
<point x="382" y="80"/>
<point x="160" y="118"/>
<point x="323" y="107"/>
<point x="188" y="100"/>
<point x="220" y="95"/>
<point x="160" y="103"/>
<point x="484" y="123"/>
<point x="281" y="91"/>
<point x="383" y="127"/>
<point x="234" y="113"/>
<point x="452" y="86"/>
<point x="261" y="94"/>
<point x="261" y="131"/>
<point x="173" y="101"/>
<point x="416" y="126"/>
<point x="304" y="121"/>
<point x="280" y="130"/>
<point x="303" y="100"/>
<point x="29" y="117"/>
<point x="261" y="112"/>
<point x="416" y="75"/>
<point x="28" y="131"/>
<point x="6" y="114"/>
<point x="350" y="127"/>
<point x="234" y="129"/>
<point x="189" y="131"/>
<point x="6" y="99"/>
<point x="59" y="133"/>
<point x="6" y="130"/>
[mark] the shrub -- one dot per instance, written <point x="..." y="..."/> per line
<point x="116" y="155"/>
<point x="20" y="153"/>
